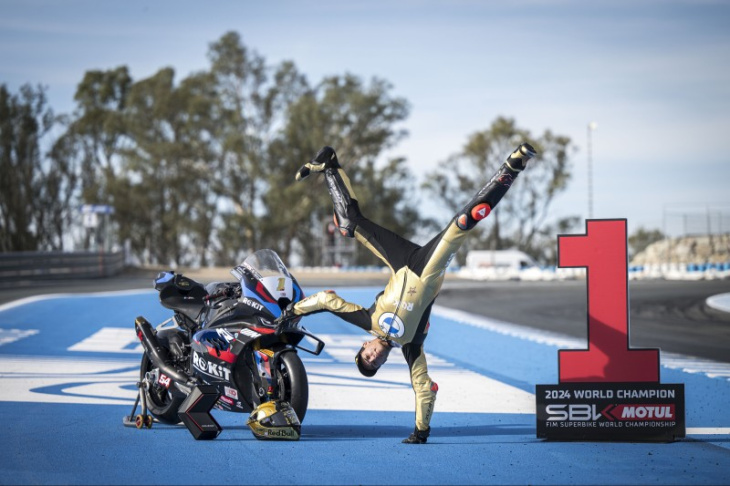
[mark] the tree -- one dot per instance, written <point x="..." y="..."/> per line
<point x="518" y="219"/>
<point x="271" y="122"/>
<point x="96" y="132"/>
<point x="642" y="238"/>
<point x="359" y="121"/>
<point x="252" y="106"/>
<point x="145" y="150"/>
<point x="167" y="163"/>
<point x="33" y="190"/>
<point x="205" y="166"/>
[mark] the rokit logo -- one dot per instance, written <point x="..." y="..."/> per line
<point x="209" y="368"/>
<point x="402" y="304"/>
<point x="252" y="303"/>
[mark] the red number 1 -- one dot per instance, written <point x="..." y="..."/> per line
<point x="602" y="250"/>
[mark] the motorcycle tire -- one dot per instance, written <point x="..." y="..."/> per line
<point x="162" y="404"/>
<point x="293" y="383"/>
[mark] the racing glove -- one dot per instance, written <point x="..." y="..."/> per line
<point x="418" y="436"/>
<point x="286" y="316"/>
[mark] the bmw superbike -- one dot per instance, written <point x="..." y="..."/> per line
<point x="226" y="335"/>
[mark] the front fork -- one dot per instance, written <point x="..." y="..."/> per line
<point x="267" y="365"/>
<point x="264" y="381"/>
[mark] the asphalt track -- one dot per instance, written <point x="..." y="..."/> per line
<point x="69" y="363"/>
<point x="671" y="315"/>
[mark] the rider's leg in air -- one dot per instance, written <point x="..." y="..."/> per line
<point x="487" y="198"/>
<point x="343" y="197"/>
<point x="436" y="255"/>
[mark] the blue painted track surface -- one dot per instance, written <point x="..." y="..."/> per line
<point x="66" y="382"/>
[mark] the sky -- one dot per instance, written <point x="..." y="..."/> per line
<point x="653" y="75"/>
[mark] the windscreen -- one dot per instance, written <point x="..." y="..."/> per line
<point x="262" y="264"/>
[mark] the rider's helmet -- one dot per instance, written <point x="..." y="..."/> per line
<point x="275" y="420"/>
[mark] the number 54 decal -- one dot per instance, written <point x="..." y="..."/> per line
<point x="609" y="358"/>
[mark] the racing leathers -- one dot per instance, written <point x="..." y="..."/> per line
<point x="400" y="314"/>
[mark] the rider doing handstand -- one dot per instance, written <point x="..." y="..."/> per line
<point x="399" y="317"/>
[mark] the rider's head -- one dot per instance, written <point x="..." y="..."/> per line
<point x="372" y="356"/>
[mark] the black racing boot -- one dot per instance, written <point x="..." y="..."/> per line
<point x="418" y="436"/>
<point x="346" y="208"/>
<point x="517" y="160"/>
<point x="487" y="198"/>
<point x="326" y="158"/>
<point x="338" y="184"/>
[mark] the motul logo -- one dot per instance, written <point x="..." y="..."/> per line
<point x="644" y="412"/>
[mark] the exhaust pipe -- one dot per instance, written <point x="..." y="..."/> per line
<point x="157" y="354"/>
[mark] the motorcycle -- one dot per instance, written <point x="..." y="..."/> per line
<point x="225" y="335"/>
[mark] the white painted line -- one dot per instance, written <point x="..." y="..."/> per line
<point x="76" y="380"/>
<point x="332" y="386"/>
<point x="719" y="302"/>
<point x="38" y="298"/>
<point x="339" y="386"/>
<point x="8" y="336"/>
<point x="507" y="328"/>
<point x="708" y="430"/>
<point x="111" y="340"/>
<point x="688" y="364"/>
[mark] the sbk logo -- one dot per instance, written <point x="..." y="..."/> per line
<point x="574" y="412"/>
<point x="589" y="413"/>
<point x="209" y="368"/>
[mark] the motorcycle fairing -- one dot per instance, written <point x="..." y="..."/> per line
<point x="257" y="289"/>
<point x="233" y="311"/>
<point x="217" y="368"/>
<point x="218" y="353"/>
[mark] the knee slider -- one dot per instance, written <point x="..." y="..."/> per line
<point x="424" y="384"/>
<point x="469" y="218"/>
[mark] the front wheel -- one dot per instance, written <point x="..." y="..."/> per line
<point x="160" y="401"/>
<point x="292" y="381"/>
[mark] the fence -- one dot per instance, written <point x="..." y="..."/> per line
<point x="20" y="268"/>
<point x="695" y="219"/>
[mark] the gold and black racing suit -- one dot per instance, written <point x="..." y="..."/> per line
<point x="400" y="314"/>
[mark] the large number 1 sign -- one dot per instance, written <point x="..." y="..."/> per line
<point x="608" y="391"/>
<point x="609" y="358"/>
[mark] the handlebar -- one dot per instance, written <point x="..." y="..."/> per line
<point x="226" y="292"/>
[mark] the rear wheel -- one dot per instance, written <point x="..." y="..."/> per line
<point x="292" y="382"/>
<point x="160" y="401"/>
